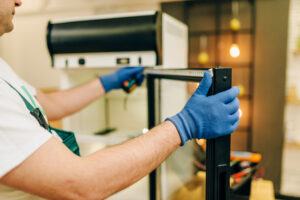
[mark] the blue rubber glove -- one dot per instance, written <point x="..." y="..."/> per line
<point x="208" y="116"/>
<point x="116" y="80"/>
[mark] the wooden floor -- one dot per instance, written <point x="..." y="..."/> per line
<point x="291" y="170"/>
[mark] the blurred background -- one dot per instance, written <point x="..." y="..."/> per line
<point x="259" y="39"/>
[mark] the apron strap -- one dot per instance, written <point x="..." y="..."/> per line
<point x="68" y="137"/>
<point x="28" y="105"/>
<point x="35" y="112"/>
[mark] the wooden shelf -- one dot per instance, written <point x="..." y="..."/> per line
<point x="220" y="32"/>
<point x="233" y="65"/>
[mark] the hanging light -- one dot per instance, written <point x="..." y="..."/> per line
<point x="235" y="24"/>
<point x="235" y="50"/>
<point x="203" y="57"/>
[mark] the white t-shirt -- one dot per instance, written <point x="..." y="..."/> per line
<point x="20" y="133"/>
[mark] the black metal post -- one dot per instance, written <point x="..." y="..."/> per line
<point x="151" y="124"/>
<point x="218" y="150"/>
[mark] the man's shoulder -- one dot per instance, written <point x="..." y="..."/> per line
<point x="8" y="97"/>
<point x="9" y="75"/>
<point x="5" y="70"/>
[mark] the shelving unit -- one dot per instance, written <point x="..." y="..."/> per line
<point x="221" y="32"/>
<point x="210" y="19"/>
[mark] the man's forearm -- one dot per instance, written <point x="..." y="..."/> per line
<point x="58" y="174"/>
<point x="125" y="164"/>
<point x="66" y="102"/>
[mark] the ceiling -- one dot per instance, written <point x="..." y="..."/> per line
<point x="34" y="6"/>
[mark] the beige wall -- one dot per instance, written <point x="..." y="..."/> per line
<point x="269" y="80"/>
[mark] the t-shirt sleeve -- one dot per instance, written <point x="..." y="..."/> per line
<point x="20" y="133"/>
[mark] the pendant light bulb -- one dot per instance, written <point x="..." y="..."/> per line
<point x="235" y="51"/>
<point x="235" y="24"/>
<point x="203" y="57"/>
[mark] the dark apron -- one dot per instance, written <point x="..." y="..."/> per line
<point x="67" y="137"/>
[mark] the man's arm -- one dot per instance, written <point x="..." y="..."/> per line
<point x="66" y="102"/>
<point x="53" y="172"/>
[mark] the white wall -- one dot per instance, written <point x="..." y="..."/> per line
<point x="292" y="111"/>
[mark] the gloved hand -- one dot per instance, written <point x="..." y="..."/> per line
<point x="115" y="80"/>
<point x="208" y="116"/>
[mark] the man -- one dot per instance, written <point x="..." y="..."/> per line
<point x="35" y="161"/>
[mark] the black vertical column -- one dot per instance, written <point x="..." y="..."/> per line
<point x="218" y="150"/>
<point x="151" y="124"/>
